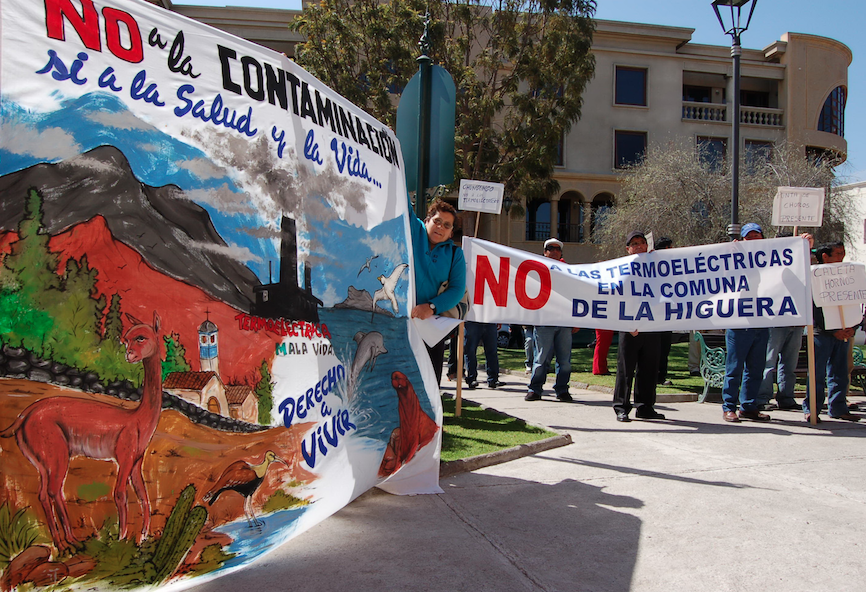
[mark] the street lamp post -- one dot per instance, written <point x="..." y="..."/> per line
<point x="735" y="29"/>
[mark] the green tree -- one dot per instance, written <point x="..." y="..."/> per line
<point x="175" y="356"/>
<point x="264" y="393"/>
<point x="679" y="192"/>
<point x="520" y="68"/>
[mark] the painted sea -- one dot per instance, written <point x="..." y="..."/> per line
<point x="372" y="409"/>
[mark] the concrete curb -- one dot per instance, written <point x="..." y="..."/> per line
<point x="463" y="465"/>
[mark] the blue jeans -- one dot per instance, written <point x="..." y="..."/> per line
<point x="485" y="334"/>
<point x="550" y="341"/>
<point x="783" y="349"/>
<point x="744" y="367"/>
<point x="831" y="370"/>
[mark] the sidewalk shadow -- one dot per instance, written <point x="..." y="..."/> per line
<point x="484" y="534"/>
<point x="781" y="427"/>
<point x="566" y="536"/>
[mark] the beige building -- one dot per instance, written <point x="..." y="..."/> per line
<point x="651" y="86"/>
<point x="243" y="403"/>
<point x="856" y="221"/>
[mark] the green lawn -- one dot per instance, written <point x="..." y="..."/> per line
<point x="479" y="431"/>
<point x="581" y="368"/>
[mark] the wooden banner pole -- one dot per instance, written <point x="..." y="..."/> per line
<point x="458" y="393"/>
<point x="810" y="350"/>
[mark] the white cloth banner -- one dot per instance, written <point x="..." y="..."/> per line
<point x="764" y="283"/>
<point x="155" y="168"/>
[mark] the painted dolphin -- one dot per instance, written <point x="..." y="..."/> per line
<point x="370" y="346"/>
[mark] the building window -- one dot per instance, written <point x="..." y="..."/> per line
<point x="629" y="147"/>
<point x="832" y="117"/>
<point x="560" y="151"/>
<point x="712" y="152"/>
<point x="757" y="152"/>
<point x="630" y="86"/>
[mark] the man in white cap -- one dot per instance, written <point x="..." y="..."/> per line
<point x="550" y="341"/>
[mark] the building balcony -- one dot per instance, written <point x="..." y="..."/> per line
<point x="718" y="113"/>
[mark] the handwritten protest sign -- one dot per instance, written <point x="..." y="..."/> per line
<point x="839" y="284"/>
<point x="840" y="289"/>
<point x="798" y="206"/>
<point x="480" y="196"/>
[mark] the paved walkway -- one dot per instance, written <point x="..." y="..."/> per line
<point x="688" y="504"/>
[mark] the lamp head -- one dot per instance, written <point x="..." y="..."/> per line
<point x="736" y="7"/>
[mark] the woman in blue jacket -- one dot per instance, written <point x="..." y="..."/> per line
<point x="437" y="261"/>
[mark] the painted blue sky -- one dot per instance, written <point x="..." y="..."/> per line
<point x="335" y="249"/>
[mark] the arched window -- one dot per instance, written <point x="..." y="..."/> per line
<point x="832" y="117"/>
<point x="538" y="220"/>
<point x="571" y="217"/>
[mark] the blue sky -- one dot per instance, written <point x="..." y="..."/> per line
<point x="842" y="20"/>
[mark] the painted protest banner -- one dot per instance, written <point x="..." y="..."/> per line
<point x="205" y="279"/>
<point x="740" y="284"/>
<point x="840" y="289"/>
<point x="480" y="196"/>
<point x="798" y="206"/>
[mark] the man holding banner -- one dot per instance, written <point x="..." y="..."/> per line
<point x="746" y="353"/>
<point x="549" y="341"/>
<point x="638" y="355"/>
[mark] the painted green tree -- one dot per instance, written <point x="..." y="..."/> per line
<point x="175" y="356"/>
<point x="264" y="392"/>
<point x="111" y="359"/>
<point x="520" y="68"/>
<point x="62" y="318"/>
<point x="78" y="316"/>
<point x="28" y="280"/>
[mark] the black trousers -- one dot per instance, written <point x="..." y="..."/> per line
<point x="437" y="356"/>
<point x="637" y="362"/>
<point x="666" y="338"/>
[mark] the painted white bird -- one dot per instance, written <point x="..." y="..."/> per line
<point x="389" y="284"/>
<point x="367" y="264"/>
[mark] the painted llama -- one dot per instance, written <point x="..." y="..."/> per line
<point x="52" y="431"/>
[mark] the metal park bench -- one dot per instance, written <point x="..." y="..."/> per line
<point x="712" y="366"/>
